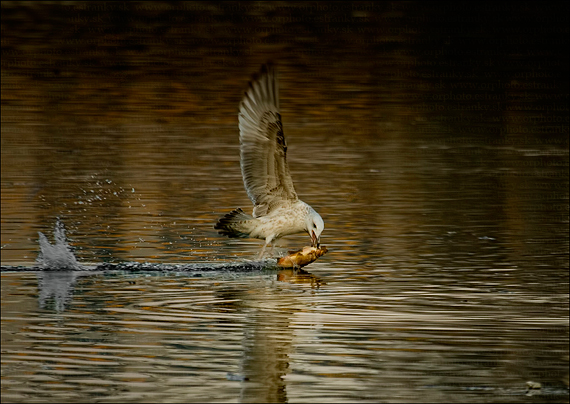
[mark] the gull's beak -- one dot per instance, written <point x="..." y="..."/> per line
<point x="314" y="239"/>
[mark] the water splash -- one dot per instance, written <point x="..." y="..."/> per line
<point x="58" y="256"/>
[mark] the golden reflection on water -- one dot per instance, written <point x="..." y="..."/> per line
<point x="167" y="335"/>
<point x="434" y="147"/>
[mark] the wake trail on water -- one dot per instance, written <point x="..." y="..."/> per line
<point x="59" y="257"/>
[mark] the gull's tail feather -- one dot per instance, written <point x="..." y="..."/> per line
<point x="237" y="223"/>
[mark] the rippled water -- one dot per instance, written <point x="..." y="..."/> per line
<point x="375" y="334"/>
<point x="433" y="141"/>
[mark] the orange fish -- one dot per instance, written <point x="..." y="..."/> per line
<point x="300" y="258"/>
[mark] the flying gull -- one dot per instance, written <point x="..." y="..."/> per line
<point x="277" y="210"/>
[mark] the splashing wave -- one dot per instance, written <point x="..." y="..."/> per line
<point x="58" y="256"/>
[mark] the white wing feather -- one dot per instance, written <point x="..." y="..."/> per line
<point x="263" y="148"/>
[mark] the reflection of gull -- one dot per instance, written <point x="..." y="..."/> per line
<point x="277" y="210"/>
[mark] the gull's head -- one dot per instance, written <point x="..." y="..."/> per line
<point x="314" y="226"/>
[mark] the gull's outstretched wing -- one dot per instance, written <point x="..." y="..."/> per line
<point x="263" y="148"/>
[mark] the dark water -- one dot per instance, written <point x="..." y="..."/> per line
<point x="431" y="137"/>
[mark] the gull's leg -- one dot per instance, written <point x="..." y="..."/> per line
<point x="262" y="251"/>
<point x="268" y="240"/>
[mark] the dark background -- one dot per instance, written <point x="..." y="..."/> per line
<point x="187" y="61"/>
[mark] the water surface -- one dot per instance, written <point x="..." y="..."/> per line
<point x="433" y="141"/>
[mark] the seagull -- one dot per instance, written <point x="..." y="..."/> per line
<point x="277" y="210"/>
